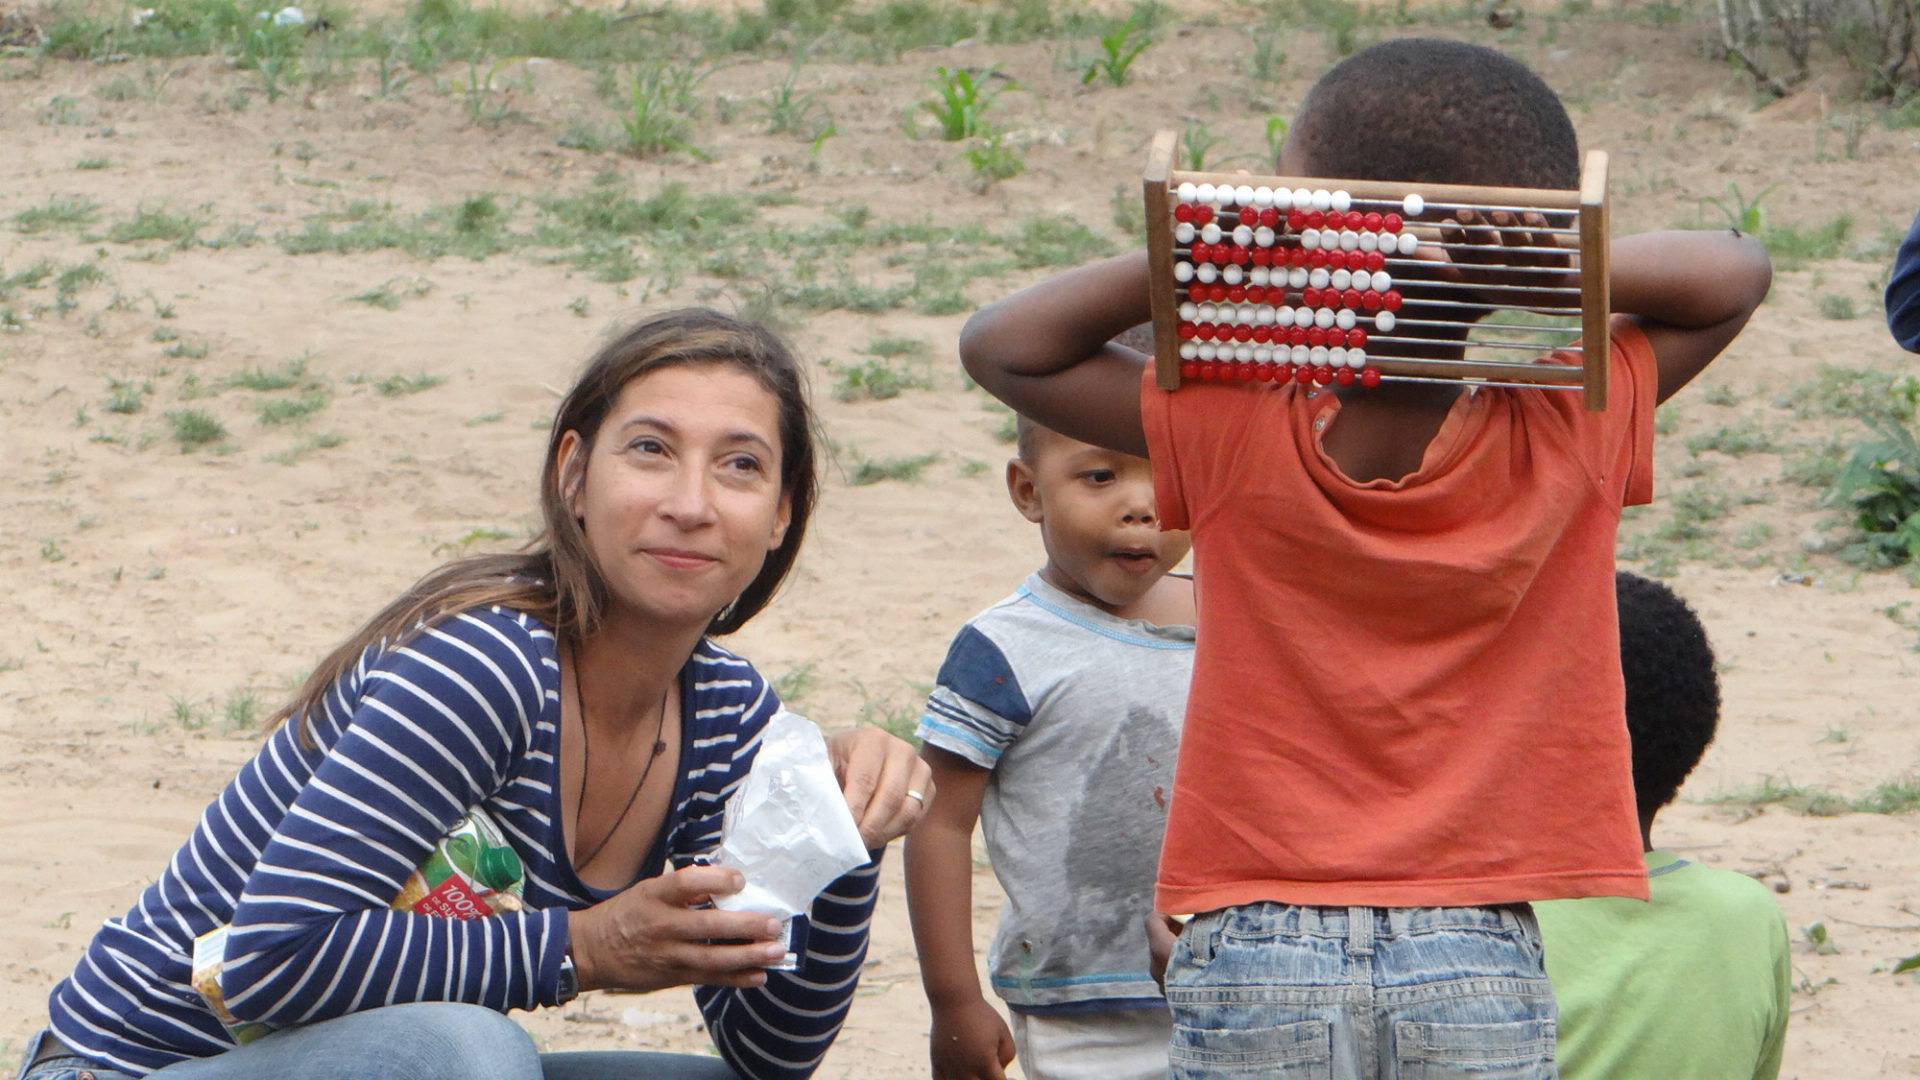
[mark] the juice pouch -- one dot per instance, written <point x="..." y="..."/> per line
<point x="470" y="874"/>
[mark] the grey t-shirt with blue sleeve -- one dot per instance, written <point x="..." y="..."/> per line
<point x="1077" y="713"/>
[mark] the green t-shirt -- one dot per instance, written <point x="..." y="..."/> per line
<point x="1691" y="985"/>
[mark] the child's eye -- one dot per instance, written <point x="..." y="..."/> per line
<point x="1098" y="476"/>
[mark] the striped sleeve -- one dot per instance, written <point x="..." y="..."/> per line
<point x="977" y="708"/>
<point x="431" y="737"/>
<point x="780" y="1031"/>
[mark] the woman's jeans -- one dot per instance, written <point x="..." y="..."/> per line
<point x="1308" y="993"/>
<point x="426" y="1041"/>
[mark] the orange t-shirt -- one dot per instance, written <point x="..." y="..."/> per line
<point x="1405" y="693"/>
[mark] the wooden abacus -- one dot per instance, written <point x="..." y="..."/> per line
<point x="1264" y="278"/>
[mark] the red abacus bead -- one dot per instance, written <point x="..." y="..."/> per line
<point x="1296" y="219"/>
<point x="1391" y="301"/>
<point x="1310" y="297"/>
<point x="1262" y="256"/>
<point x="1350" y="298"/>
<point x="1323" y="374"/>
<point x="1284" y="372"/>
<point x="1257" y="294"/>
<point x="1187" y="329"/>
<point x="1207" y="331"/>
<point x="1242" y="255"/>
<point x="1217" y="292"/>
<point x="1266" y="372"/>
<point x="1245" y="372"/>
<point x="1373" y="221"/>
<point x="1344" y="376"/>
<point x="1369" y="376"/>
<point x="1189" y="369"/>
<point x="1340" y="260"/>
<point x="1297" y="335"/>
<point x="1202" y="215"/>
<point x="1316" y="337"/>
<point x="1318" y="257"/>
<point x="1237" y="293"/>
<point x="1183" y="212"/>
<point x="1370" y="300"/>
<point x="1316" y="219"/>
<point x="1223" y="253"/>
<point x="1270" y="217"/>
<point x="1262" y="335"/>
<point x="1376" y="260"/>
<point x="1303" y="374"/>
<point x="1243" y="333"/>
<point x="1208" y="369"/>
<point x="1392" y="223"/>
<point x="1357" y="338"/>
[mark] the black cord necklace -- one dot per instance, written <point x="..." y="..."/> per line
<point x="586" y="765"/>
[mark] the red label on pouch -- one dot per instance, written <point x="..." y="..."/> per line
<point x="451" y="899"/>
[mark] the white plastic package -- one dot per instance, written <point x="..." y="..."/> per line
<point x="787" y="829"/>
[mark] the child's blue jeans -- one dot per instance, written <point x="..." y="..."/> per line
<point x="1309" y="993"/>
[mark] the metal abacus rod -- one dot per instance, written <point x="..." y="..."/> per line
<point x="1287" y="218"/>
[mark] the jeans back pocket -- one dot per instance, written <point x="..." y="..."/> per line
<point x="1302" y="1050"/>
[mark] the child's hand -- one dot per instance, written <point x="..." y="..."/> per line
<point x="970" y="1042"/>
<point x="1162" y="932"/>
<point x="1512" y="253"/>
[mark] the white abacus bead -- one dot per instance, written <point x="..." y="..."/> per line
<point x="1208" y="273"/>
<point x="1369" y="241"/>
<point x="1362" y="280"/>
<point x="1264" y="316"/>
<point x="1382" y="281"/>
<point x="1205" y="193"/>
<point x="1183" y="233"/>
<point x="1282" y="199"/>
<point x="1187" y="191"/>
<point x="1349" y="240"/>
<point x="1207" y="313"/>
<point x="1412" y="205"/>
<point x="1232" y="274"/>
<point x="1243" y="235"/>
<point x="1357" y="357"/>
<point x="1310" y="239"/>
<point x="1243" y="195"/>
<point x="1323" y="318"/>
<point x="1322" y="199"/>
<point x="1337" y="356"/>
<point x="1408" y="243"/>
<point x="1319" y="277"/>
<point x="1210" y="233"/>
<point x="1299" y="354"/>
<point x="1243" y="353"/>
<point x="1262" y="354"/>
<point x="1317" y="355"/>
<point x="1302" y="199"/>
<point x="1264" y="236"/>
<point x="1189" y="311"/>
<point x="1342" y="201"/>
<point x="1189" y="350"/>
<point x="1297" y="277"/>
<point x="1283" y="316"/>
<point x="1345" y="318"/>
<point x="1260" y="276"/>
<point x="1183" y="272"/>
<point x="1243" y="314"/>
<point x="1262" y="197"/>
<point x="1207" y="350"/>
<point x="1341" y="279"/>
<point x="1383" y="322"/>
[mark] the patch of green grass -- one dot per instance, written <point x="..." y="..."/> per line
<point x="77" y="277"/>
<point x="1055" y="241"/>
<point x="660" y="109"/>
<point x="1862" y="394"/>
<point x="1735" y="440"/>
<point x="187" y="350"/>
<point x="475" y="227"/>
<point x="1880" y="484"/>
<point x="157" y="223"/>
<point x="388" y="295"/>
<point x="242" y="711"/>
<point x="290" y="410"/>
<point x="1792" y="247"/>
<point x="285" y="377"/>
<point x="326" y="440"/>
<point x="792" y="685"/>
<point x="402" y="385"/>
<point x="1836" y="306"/>
<point x="30" y="277"/>
<point x="93" y="163"/>
<point x="876" y="380"/>
<point x="961" y="100"/>
<point x="893" y="346"/>
<point x="872" y="471"/>
<point x="58" y="212"/>
<point x="126" y="397"/>
<point x="1900" y="795"/>
<point x="1118" y="50"/>
<point x="195" y="428"/>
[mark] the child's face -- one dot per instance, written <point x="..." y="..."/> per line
<point x="1096" y="516"/>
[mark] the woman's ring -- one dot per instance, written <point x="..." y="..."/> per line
<point x="916" y="797"/>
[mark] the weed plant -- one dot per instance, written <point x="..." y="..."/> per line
<point x="871" y="471"/>
<point x="1880" y="485"/>
<point x="1119" y="49"/>
<point x="961" y="101"/>
<point x="59" y="212"/>
<point x="156" y="223"/>
<point x="195" y="428"/>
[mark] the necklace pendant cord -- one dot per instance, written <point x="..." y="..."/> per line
<point x="586" y="769"/>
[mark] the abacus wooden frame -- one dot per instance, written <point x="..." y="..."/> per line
<point x="1588" y="206"/>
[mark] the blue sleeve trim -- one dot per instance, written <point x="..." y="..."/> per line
<point x="1903" y="292"/>
<point x="977" y="670"/>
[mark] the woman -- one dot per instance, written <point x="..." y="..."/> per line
<point x="572" y="693"/>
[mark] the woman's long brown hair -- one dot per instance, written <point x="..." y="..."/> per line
<point x="554" y="578"/>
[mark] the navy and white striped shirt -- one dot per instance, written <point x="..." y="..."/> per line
<point x="306" y="847"/>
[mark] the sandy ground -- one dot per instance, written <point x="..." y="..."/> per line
<point x="149" y="592"/>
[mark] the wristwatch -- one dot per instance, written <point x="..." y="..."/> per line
<point x="569" y="981"/>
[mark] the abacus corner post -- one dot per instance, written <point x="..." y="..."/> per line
<point x="1154" y="189"/>
<point x="1596" y="350"/>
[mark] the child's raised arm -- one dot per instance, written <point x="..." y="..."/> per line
<point x="970" y="1041"/>
<point x="1046" y="352"/>
<point x="1691" y="293"/>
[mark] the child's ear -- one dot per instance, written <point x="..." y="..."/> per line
<point x="1024" y="490"/>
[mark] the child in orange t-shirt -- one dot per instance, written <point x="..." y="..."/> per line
<point x="1406" y="719"/>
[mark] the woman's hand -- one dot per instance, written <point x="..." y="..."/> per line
<point x="655" y="935"/>
<point x="886" y="784"/>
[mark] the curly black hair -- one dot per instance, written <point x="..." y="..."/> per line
<point x="1426" y="110"/>
<point x="1673" y="687"/>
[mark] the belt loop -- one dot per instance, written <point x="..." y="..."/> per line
<point x="1360" y="931"/>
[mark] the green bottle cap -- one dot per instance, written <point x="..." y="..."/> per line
<point x="498" y="868"/>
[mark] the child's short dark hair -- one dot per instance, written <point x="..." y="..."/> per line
<point x="1439" y="112"/>
<point x="1673" y="688"/>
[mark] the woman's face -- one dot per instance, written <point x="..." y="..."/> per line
<point x="680" y="498"/>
